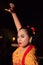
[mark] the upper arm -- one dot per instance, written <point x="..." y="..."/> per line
<point x="16" y="21"/>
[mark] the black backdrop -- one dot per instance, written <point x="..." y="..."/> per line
<point x="29" y="13"/>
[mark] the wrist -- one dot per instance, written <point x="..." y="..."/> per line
<point x="13" y="13"/>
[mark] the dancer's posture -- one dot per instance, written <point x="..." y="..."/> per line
<point x="25" y="53"/>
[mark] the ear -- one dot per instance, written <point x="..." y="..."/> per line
<point x="30" y="40"/>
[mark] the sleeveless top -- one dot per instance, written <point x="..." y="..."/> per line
<point x="26" y="58"/>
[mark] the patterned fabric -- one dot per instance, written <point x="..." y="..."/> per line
<point x="29" y="59"/>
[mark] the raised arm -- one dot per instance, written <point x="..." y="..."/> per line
<point x="15" y="18"/>
<point x="16" y="21"/>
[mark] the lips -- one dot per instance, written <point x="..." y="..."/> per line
<point x="19" y="43"/>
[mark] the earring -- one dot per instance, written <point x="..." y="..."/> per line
<point x="30" y="40"/>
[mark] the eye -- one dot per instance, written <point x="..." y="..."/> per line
<point x="22" y="36"/>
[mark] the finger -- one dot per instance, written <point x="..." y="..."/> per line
<point x="7" y="10"/>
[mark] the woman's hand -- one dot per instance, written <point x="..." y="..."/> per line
<point x="11" y="8"/>
<point x="15" y="18"/>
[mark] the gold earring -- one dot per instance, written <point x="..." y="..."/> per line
<point x="30" y="40"/>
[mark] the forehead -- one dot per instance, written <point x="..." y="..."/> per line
<point x="22" y="31"/>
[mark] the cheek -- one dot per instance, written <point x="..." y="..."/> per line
<point x="25" y="40"/>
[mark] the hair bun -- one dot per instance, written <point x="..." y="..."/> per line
<point x="33" y="29"/>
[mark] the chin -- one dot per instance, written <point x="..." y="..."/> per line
<point x="20" y="45"/>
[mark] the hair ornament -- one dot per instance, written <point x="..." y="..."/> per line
<point x="33" y="29"/>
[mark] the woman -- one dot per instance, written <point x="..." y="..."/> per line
<point x="25" y="53"/>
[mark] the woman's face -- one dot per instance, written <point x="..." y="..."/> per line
<point x="23" y="38"/>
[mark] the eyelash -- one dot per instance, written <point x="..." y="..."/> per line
<point x="21" y="36"/>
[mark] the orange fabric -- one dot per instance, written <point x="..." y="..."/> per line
<point x="30" y="58"/>
<point x="26" y="52"/>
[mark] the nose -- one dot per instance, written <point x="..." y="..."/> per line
<point x="19" y="39"/>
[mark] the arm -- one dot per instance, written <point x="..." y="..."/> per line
<point x="16" y="21"/>
<point x="15" y="18"/>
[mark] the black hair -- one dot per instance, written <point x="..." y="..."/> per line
<point x="28" y="30"/>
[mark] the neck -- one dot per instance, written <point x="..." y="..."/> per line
<point x="26" y="46"/>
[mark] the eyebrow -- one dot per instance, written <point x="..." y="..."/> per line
<point x="21" y="34"/>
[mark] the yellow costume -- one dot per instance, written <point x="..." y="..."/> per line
<point x="26" y="58"/>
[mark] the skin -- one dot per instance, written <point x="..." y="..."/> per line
<point x="23" y="38"/>
<point x="24" y="41"/>
<point x="15" y="18"/>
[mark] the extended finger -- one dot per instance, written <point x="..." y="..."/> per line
<point x="7" y="10"/>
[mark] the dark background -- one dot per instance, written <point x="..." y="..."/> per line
<point x="29" y="13"/>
